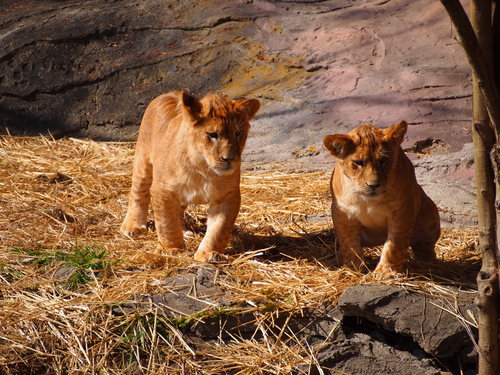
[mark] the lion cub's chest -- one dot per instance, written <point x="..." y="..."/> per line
<point x="195" y="190"/>
<point x="195" y="195"/>
<point x="371" y="213"/>
<point x="202" y="188"/>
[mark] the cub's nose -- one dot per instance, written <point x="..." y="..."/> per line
<point x="373" y="185"/>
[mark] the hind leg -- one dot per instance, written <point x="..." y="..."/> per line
<point x="424" y="241"/>
<point x="427" y="231"/>
<point x="424" y="251"/>
<point x="136" y="218"/>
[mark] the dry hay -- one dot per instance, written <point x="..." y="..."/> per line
<point x="61" y="197"/>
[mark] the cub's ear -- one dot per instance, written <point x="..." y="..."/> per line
<point x="190" y="105"/>
<point x="248" y="107"/>
<point x="396" y="132"/>
<point x="339" y="145"/>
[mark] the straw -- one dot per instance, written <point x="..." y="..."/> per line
<point x="58" y="197"/>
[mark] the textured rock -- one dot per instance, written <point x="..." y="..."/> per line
<point x="401" y="332"/>
<point x="188" y="294"/>
<point x="449" y="181"/>
<point x="319" y="66"/>
<point x="71" y="66"/>
<point x="361" y="355"/>
<point x="89" y="68"/>
<point x="432" y="322"/>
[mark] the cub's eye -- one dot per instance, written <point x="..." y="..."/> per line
<point x="213" y="135"/>
<point x="359" y="163"/>
<point x="384" y="159"/>
<point x="239" y="133"/>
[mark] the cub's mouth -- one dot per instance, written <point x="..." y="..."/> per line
<point x="223" y="168"/>
<point x="372" y="192"/>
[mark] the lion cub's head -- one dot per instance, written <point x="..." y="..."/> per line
<point x="219" y="128"/>
<point x="366" y="156"/>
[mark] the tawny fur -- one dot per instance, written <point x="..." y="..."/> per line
<point x="189" y="151"/>
<point x="376" y="199"/>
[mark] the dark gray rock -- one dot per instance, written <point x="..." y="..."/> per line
<point x="359" y="354"/>
<point x="188" y="294"/>
<point x="431" y="322"/>
<point x="196" y="302"/>
<point x="70" y="67"/>
<point x="407" y="329"/>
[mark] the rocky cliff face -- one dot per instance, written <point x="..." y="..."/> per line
<point x="90" y="67"/>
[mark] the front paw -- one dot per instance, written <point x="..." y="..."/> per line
<point x="131" y="228"/>
<point x="388" y="269"/>
<point x="208" y="256"/>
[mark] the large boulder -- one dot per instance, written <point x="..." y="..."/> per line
<point x="374" y="329"/>
<point x="361" y="355"/>
<point x="437" y="323"/>
<point x="90" y="67"/>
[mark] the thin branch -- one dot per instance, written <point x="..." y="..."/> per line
<point x="476" y="59"/>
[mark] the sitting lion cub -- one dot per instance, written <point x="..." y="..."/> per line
<point x="189" y="151"/>
<point x="376" y="198"/>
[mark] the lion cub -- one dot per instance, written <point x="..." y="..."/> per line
<point x="376" y="198"/>
<point x="189" y="151"/>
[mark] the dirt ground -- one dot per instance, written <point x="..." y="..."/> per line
<point x="78" y="297"/>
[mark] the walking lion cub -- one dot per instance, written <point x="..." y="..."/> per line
<point x="376" y="198"/>
<point x="189" y="151"/>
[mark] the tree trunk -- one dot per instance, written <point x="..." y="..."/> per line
<point x="496" y="152"/>
<point x="495" y="161"/>
<point x="476" y="59"/>
<point x="485" y="113"/>
<point x="496" y="43"/>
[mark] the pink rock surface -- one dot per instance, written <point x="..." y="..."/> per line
<point x="370" y="62"/>
<point x="319" y="67"/>
<point x="374" y="61"/>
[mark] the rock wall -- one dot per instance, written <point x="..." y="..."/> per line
<point x="90" y="67"/>
<point x="72" y="66"/>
